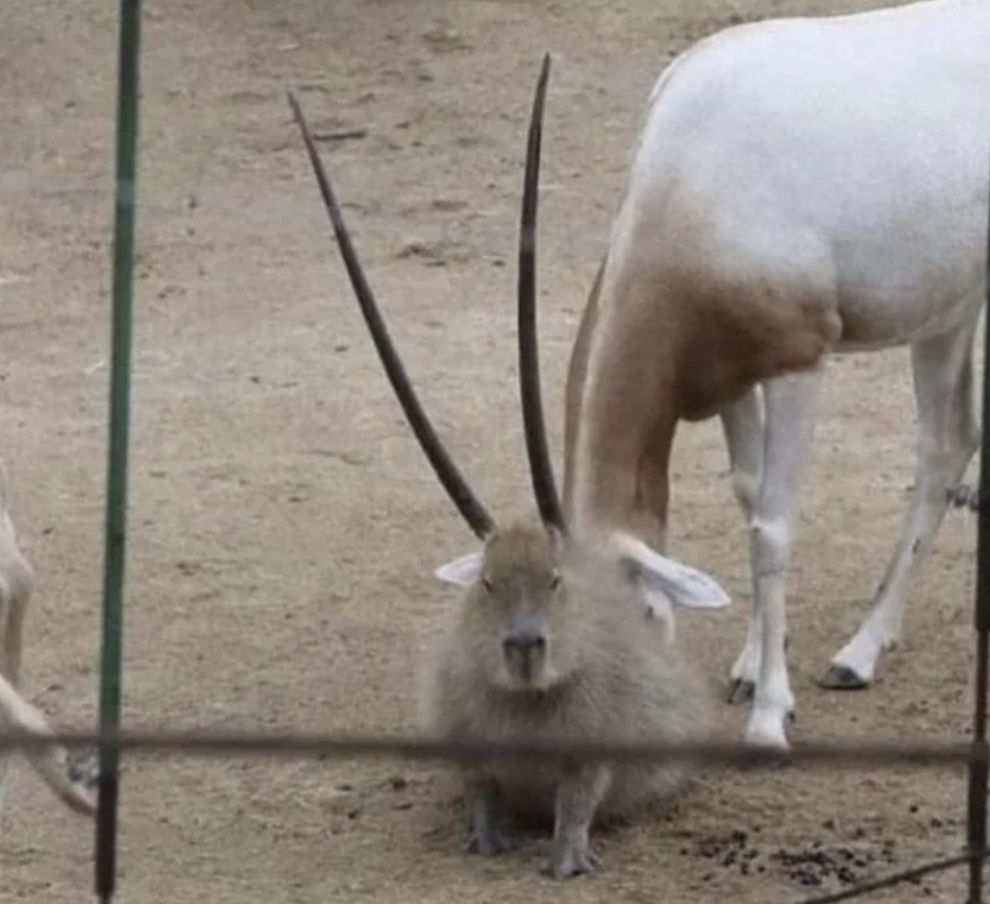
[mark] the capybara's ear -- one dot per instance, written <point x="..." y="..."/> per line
<point x="461" y="572"/>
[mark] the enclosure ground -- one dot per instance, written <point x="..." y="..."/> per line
<point x="284" y="526"/>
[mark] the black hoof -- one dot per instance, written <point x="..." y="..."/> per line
<point x="842" y="678"/>
<point x="740" y="691"/>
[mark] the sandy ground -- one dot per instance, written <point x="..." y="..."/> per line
<point x="283" y="523"/>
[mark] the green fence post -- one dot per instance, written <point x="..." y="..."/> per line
<point x="128" y="95"/>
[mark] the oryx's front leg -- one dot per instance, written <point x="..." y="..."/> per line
<point x="791" y="413"/>
<point x="948" y="436"/>
<point x="742" y="423"/>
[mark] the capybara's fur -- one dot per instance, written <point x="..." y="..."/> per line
<point x="603" y="671"/>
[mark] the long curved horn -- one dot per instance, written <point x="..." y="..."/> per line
<point x="453" y="482"/>
<point x="540" y="466"/>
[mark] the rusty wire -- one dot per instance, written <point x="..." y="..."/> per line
<point x="342" y="746"/>
<point x="338" y="746"/>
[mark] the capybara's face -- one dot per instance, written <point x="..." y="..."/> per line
<point x="518" y="606"/>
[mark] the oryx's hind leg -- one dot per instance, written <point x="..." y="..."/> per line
<point x="948" y="437"/>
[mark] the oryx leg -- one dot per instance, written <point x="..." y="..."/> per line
<point x="791" y="413"/>
<point x="948" y="437"/>
<point x="742" y="424"/>
<point x="12" y="611"/>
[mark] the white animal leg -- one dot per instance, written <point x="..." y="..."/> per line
<point x="948" y="437"/>
<point x="791" y="413"/>
<point x="12" y="606"/>
<point x="742" y="424"/>
<point x="72" y="780"/>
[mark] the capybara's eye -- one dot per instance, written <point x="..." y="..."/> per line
<point x="554" y="581"/>
<point x="486" y="585"/>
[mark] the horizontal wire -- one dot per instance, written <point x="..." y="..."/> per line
<point x="220" y="743"/>
<point x="225" y="743"/>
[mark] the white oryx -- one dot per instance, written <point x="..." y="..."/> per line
<point x="800" y="187"/>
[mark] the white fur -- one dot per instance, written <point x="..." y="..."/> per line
<point x="16" y="585"/>
<point x="682" y="585"/>
<point x="845" y="159"/>
<point x="461" y="572"/>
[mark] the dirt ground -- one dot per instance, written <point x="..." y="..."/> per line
<point x="284" y="525"/>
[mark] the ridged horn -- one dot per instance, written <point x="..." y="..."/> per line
<point x="460" y="493"/>
<point x="540" y="466"/>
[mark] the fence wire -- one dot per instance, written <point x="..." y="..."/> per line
<point x="225" y="744"/>
<point x="341" y="746"/>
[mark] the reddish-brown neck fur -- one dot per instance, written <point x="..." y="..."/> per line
<point x="668" y="347"/>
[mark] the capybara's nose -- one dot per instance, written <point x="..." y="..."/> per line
<point x="524" y="643"/>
